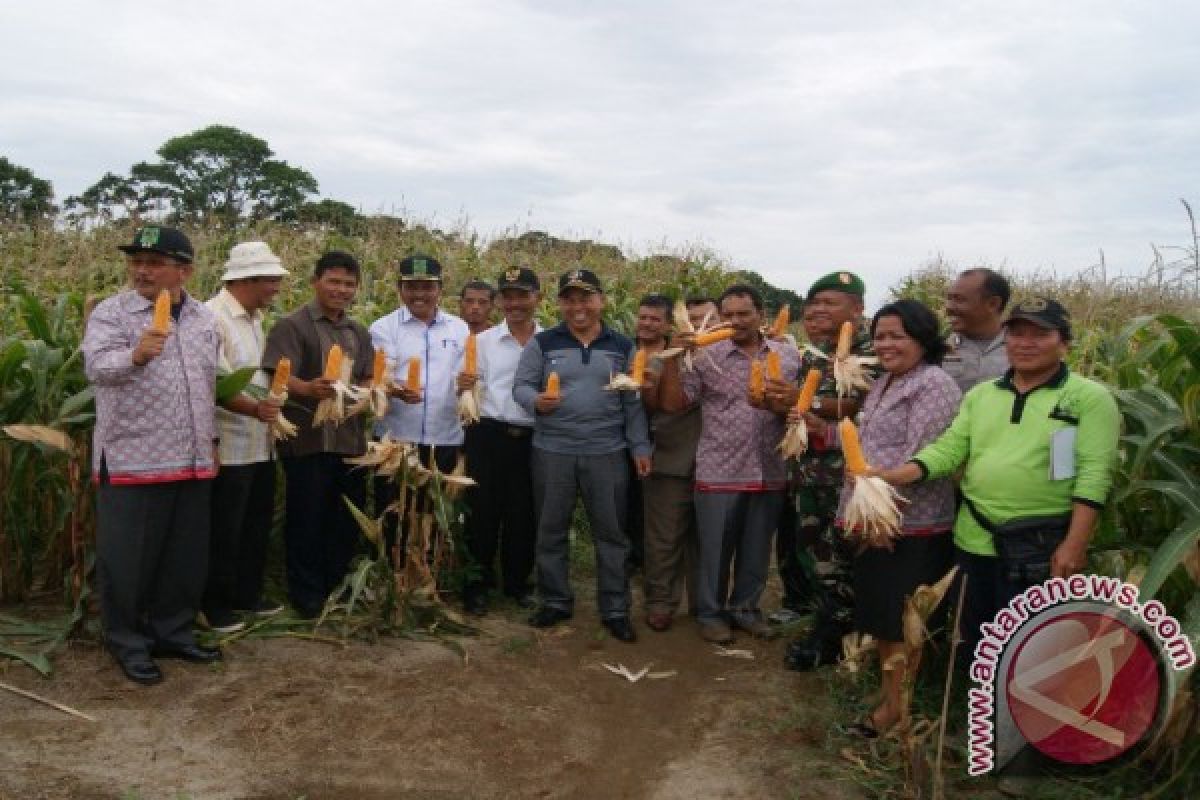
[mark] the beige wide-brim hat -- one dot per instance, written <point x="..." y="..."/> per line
<point x="253" y="260"/>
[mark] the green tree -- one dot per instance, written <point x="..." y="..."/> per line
<point x="334" y="214"/>
<point x="23" y="195"/>
<point x="106" y="197"/>
<point x="223" y="173"/>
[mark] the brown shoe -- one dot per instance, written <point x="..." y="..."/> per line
<point x="658" y="621"/>
<point x="716" y="632"/>
<point x="755" y="627"/>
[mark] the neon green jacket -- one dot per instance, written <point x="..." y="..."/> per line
<point x="1003" y="439"/>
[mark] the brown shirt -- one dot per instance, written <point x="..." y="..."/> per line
<point x="674" y="437"/>
<point x="305" y="337"/>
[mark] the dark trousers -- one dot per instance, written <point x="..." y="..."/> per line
<point x="602" y="482"/>
<point x="151" y="560"/>
<point x="386" y="492"/>
<point x="500" y="508"/>
<point x="635" y="525"/>
<point x="789" y="556"/>
<point x="320" y="534"/>
<point x="243" y="508"/>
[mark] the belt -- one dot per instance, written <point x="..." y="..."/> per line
<point x="514" y="431"/>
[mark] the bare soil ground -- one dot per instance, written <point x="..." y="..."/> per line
<point x="526" y="714"/>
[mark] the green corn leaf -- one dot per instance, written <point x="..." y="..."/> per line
<point x="1170" y="554"/>
<point x="230" y="385"/>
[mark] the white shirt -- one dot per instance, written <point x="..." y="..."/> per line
<point x="498" y="353"/>
<point x="439" y="346"/>
<point x="244" y="440"/>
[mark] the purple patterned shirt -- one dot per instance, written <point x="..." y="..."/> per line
<point x="739" y="444"/>
<point x="899" y="417"/>
<point x="154" y="423"/>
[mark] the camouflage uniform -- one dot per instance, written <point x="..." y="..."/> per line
<point x="815" y="480"/>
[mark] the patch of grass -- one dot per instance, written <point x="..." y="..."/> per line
<point x="516" y="646"/>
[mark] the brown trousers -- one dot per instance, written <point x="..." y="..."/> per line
<point x="670" y="525"/>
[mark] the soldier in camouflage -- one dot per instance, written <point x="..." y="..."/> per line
<point x="816" y="477"/>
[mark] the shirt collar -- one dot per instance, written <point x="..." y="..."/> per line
<point x="505" y="333"/>
<point x="1055" y="381"/>
<point x="315" y="312"/>
<point x="226" y="298"/>
<point x="407" y="316"/>
<point x="605" y="332"/>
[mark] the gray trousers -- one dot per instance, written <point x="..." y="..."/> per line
<point x="670" y="545"/>
<point x="734" y="528"/>
<point x="151" y="563"/>
<point x="603" y="482"/>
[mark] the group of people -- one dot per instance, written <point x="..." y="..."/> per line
<point x="680" y="473"/>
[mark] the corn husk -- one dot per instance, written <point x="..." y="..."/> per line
<point x="41" y="434"/>
<point x="873" y="512"/>
<point x="469" y="404"/>
<point x="281" y="427"/>
<point x="347" y="400"/>
<point x="795" y="439"/>
<point x="621" y="382"/>
<point x="856" y="647"/>
<point x="917" y="609"/>
<point x="850" y="374"/>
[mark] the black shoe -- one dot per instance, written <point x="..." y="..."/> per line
<point x="547" y="617"/>
<point x="527" y="600"/>
<point x="194" y="653"/>
<point x="146" y="673"/>
<point x="805" y="655"/>
<point x="620" y="628"/>
<point x="476" y="605"/>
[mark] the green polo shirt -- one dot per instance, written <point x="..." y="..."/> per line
<point x="1003" y="439"/>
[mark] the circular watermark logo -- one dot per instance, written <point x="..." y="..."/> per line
<point x="1084" y="686"/>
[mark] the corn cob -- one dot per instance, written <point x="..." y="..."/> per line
<point x="379" y="368"/>
<point x="712" y="337"/>
<point x="552" y="386"/>
<point x="162" y="312"/>
<point x="471" y="356"/>
<point x="811" y="383"/>
<point x="638" y="370"/>
<point x="757" y="386"/>
<point x="780" y="325"/>
<point x="845" y="339"/>
<point x="413" y="382"/>
<point x="283" y="371"/>
<point x="774" y="366"/>
<point x="856" y="464"/>
<point x="333" y="363"/>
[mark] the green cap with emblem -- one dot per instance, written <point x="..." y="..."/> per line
<point x="420" y="268"/>
<point x="160" y="239"/>
<point x="840" y="281"/>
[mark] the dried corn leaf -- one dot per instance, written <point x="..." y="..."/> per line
<point x="41" y="434"/>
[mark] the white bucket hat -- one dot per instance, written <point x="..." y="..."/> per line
<point x="253" y="260"/>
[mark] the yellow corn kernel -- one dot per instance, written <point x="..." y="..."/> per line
<point x="413" y="381"/>
<point x="812" y="381"/>
<point x="162" y="312"/>
<point x="333" y="363"/>
<point x="856" y="464"/>
<point x="283" y="371"/>
<point x="712" y="337"/>
<point x="552" y="386"/>
<point x="845" y="339"/>
<point x="471" y="356"/>
<point x="774" y="366"/>
<point x="780" y="325"/>
<point x="638" y="371"/>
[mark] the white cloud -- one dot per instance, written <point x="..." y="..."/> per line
<point x="793" y="137"/>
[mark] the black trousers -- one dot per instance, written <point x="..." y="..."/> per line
<point x="797" y="588"/>
<point x="500" y="509"/>
<point x="243" y="508"/>
<point x="385" y="490"/>
<point x="635" y="526"/>
<point x="151" y="561"/>
<point x="321" y="536"/>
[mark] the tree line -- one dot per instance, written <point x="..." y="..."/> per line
<point x="218" y="174"/>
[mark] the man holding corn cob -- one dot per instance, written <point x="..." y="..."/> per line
<point x="243" y="494"/>
<point x="833" y="309"/>
<point x="320" y="534"/>
<point x="151" y="353"/>
<point x="499" y="452"/>
<point x="583" y="436"/>
<point x="740" y="475"/>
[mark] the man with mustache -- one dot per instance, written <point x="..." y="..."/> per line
<point x="153" y="455"/>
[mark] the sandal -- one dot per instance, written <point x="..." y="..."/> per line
<point x="863" y="729"/>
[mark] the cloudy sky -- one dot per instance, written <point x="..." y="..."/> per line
<point x="791" y="137"/>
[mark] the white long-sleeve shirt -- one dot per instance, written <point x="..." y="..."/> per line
<point x="499" y="351"/>
<point x="439" y="346"/>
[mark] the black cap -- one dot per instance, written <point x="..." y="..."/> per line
<point x="518" y="278"/>
<point x="161" y="239"/>
<point x="579" y="278"/>
<point x="420" y="268"/>
<point x="1044" y="312"/>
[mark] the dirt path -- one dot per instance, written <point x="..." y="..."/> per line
<point x="528" y="715"/>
